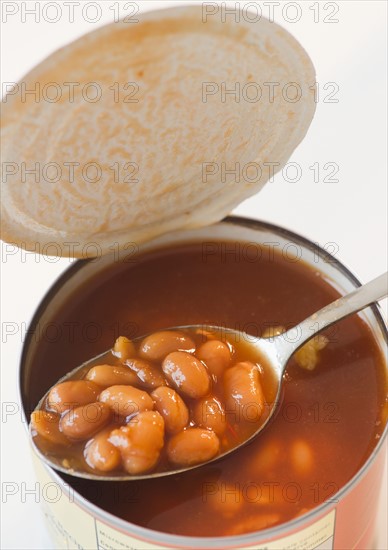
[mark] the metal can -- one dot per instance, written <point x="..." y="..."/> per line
<point x="346" y="521"/>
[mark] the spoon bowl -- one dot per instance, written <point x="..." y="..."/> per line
<point x="273" y="352"/>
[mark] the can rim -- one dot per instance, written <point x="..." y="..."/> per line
<point x="180" y="541"/>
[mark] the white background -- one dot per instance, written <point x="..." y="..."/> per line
<point x="350" y="213"/>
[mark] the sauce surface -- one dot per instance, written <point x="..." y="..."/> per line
<point x="328" y="422"/>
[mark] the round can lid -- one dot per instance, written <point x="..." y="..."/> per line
<point x="135" y="130"/>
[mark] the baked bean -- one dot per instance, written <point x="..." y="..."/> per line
<point x="307" y="356"/>
<point x="301" y="512"/>
<point x="159" y="344"/>
<point x="46" y="424"/>
<point x="264" y="495"/>
<point x="224" y="497"/>
<point x="83" y="422"/>
<point x="205" y="333"/>
<point x="271" y="332"/>
<point x="70" y="394"/>
<point x="187" y="373"/>
<point x="140" y="442"/>
<point x="301" y="457"/>
<point x="243" y="392"/>
<point x="267" y="458"/>
<point x="124" y="348"/>
<point x="147" y="374"/>
<point x="109" y="375"/>
<point x="100" y="454"/>
<point x="172" y="408"/>
<point x="126" y="400"/>
<point x="254" y="522"/>
<point x="193" y="446"/>
<point x="216" y="355"/>
<point x="209" y="413"/>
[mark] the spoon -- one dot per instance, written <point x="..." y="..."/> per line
<point x="276" y="351"/>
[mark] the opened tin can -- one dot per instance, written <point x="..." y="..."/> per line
<point x="77" y="514"/>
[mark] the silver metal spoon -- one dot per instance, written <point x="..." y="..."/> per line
<point x="275" y="351"/>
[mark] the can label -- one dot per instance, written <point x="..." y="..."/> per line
<point x="72" y="527"/>
<point x="318" y="536"/>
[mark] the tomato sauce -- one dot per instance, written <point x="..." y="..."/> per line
<point x="329" y="419"/>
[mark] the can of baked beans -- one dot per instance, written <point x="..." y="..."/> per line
<point x="273" y="494"/>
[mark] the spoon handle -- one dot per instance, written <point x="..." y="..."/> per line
<point x="344" y="306"/>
